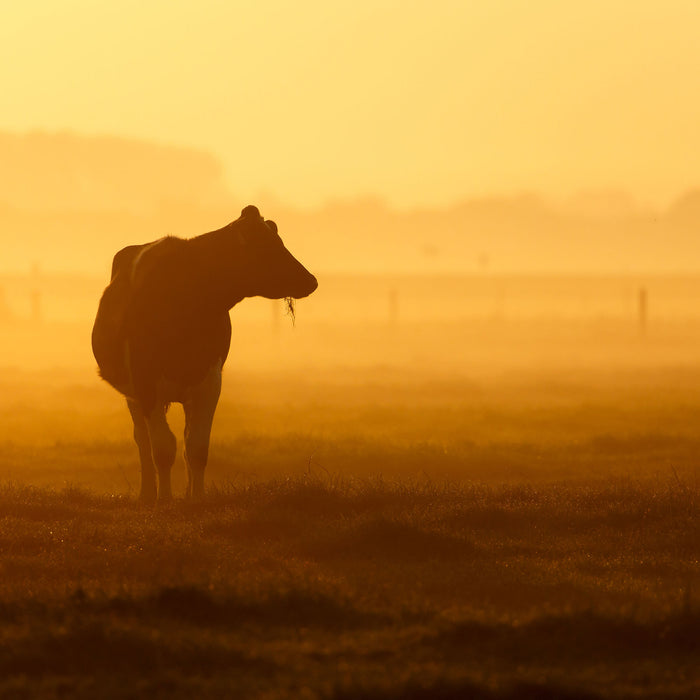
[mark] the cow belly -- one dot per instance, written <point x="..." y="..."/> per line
<point x="109" y="336"/>
<point x="161" y="373"/>
<point x="171" y="391"/>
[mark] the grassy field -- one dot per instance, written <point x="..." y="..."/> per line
<point x="366" y="533"/>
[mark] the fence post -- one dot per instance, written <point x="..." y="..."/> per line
<point x="643" y="310"/>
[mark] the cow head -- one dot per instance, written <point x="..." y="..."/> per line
<point x="271" y="270"/>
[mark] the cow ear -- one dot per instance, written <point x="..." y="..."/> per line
<point x="272" y="225"/>
<point x="251" y="212"/>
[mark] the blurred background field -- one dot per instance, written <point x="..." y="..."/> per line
<point x="499" y="502"/>
<point x="498" y="379"/>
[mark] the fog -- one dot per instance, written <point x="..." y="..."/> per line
<point x="69" y="202"/>
<point x="466" y="464"/>
<point x="466" y="322"/>
<point x="482" y="285"/>
<point x="434" y="325"/>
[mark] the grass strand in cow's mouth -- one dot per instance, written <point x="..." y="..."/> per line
<point x="289" y="303"/>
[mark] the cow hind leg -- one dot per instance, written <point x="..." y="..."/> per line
<point x="143" y="442"/>
<point x="163" y="447"/>
<point x="199" y="416"/>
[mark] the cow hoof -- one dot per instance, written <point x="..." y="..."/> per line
<point x="147" y="499"/>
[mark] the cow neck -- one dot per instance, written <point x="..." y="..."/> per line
<point x="219" y="269"/>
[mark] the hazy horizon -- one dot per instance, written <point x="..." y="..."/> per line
<point x="315" y="102"/>
<point x="68" y="202"/>
<point x="383" y="137"/>
<point x="27" y="153"/>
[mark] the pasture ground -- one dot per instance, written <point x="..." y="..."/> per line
<point x="367" y="533"/>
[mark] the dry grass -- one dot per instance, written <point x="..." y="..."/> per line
<point x="353" y="587"/>
<point x="289" y="303"/>
<point x="530" y="538"/>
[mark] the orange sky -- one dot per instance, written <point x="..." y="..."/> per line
<point x="419" y="102"/>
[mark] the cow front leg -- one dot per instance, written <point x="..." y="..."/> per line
<point x="163" y="447"/>
<point x="199" y="416"/>
<point x="143" y="442"/>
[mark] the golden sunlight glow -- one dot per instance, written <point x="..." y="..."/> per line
<point x="421" y="103"/>
<point x="446" y="442"/>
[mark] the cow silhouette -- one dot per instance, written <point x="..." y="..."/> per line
<point x="162" y="332"/>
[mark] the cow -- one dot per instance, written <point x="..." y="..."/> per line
<point x="162" y="332"/>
